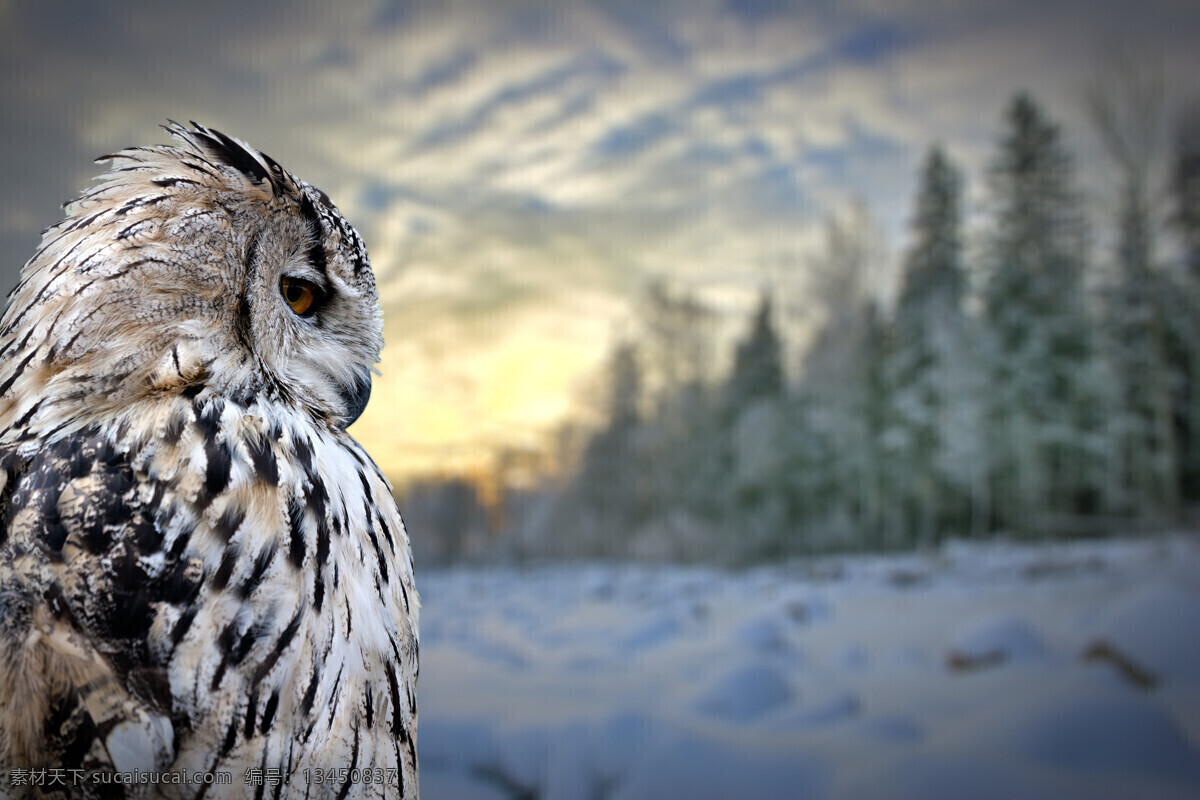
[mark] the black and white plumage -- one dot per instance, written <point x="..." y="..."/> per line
<point x="200" y="570"/>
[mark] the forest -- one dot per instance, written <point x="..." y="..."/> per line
<point x="1034" y="376"/>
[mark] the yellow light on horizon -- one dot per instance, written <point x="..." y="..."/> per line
<point x="454" y="413"/>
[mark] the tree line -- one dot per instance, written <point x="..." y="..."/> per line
<point x="1035" y="381"/>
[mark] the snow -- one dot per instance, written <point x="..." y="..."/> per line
<point x="995" y="640"/>
<point x="746" y="693"/>
<point x="977" y="670"/>
<point x="1146" y="625"/>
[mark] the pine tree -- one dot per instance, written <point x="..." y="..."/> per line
<point x="933" y="270"/>
<point x="1035" y="257"/>
<point x="1185" y="185"/>
<point x="930" y="355"/>
<point x="675" y="343"/>
<point x="683" y="444"/>
<point x="752" y="414"/>
<point x="757" y="362"/>
<point x="1184" y="298"/>
<point x="844" y="389"/>
<point x="606" y="488"/>
<point x="1127" y="110"/>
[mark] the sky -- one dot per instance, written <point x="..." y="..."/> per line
<point x="521" y="170"/>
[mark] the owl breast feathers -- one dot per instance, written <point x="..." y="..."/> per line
<point x="206" y="588"/>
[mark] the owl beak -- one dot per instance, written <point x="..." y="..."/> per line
<point x="355" y="397"/>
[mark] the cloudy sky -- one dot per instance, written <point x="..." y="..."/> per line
<point x="520" y="169"/>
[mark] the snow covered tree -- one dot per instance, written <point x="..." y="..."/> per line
<point x="674" y="339"/>
<point x="1034" y="261"/>
<point x="753" y="421"/>
<point x="603" y="506"/>
<point x="932" y="353"/>
<point x="933" y="274"/>
<point x="682" y="444"/>
<point x="844" y="387"/>
<point x="653" y="479"/>
<point x="1127" y="111"/>
<point x="757" y="362"/>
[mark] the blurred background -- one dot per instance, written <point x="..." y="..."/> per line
<point x="713" y="328"/>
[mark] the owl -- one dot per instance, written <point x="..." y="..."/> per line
<point x="206" y="588"/>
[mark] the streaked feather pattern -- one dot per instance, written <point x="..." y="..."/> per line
<point x="200" y="570"/>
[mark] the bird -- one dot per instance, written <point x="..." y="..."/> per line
<point x="206" y="586"/>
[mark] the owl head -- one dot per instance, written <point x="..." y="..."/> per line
<point x="199" y="267"/>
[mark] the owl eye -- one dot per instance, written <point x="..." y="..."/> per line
<point x="301" y="295"/>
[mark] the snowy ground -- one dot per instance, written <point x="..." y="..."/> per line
<point x="981" y="671"/>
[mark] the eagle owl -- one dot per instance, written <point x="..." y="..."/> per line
<point x="206" y="588"/>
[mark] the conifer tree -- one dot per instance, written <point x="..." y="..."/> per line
<point x="1184" y="299"/>
<point x="1185" y="185"/>
<point x="844" y="388"/>
<point x="1035" y="256"/>
<point x="931" y="353"/>
<point x="1127" y="110"/>
<point x="757" y="362"/>
<point x="683" y="446"/>
<point x="606" y="487"/>
<point x="753" y="423"/>
<point x="933" y="269"/>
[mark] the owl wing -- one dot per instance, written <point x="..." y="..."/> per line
<point x="82" y="576"/>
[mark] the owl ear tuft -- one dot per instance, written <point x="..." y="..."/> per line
<point x="258" y="167"/>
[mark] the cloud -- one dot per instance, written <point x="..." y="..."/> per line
<point x="519" y="168"/>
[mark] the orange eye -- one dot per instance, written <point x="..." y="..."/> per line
<point x="301" y="295"/>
